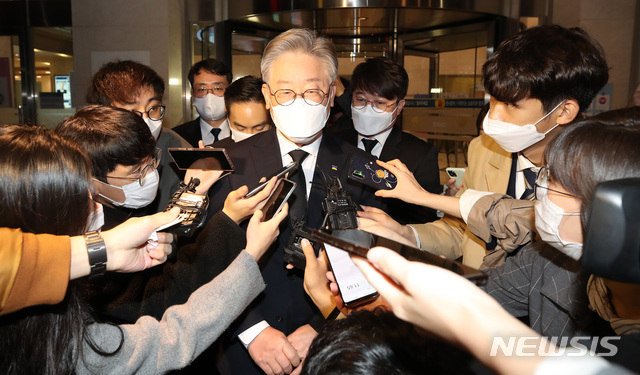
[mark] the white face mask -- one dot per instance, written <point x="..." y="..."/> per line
<point x="155" y="126"/>
<point x="299" y="121"/>
<point x="548" y="218"/>
<point x="515" y="138"/>
<point x="369" y="123"/>
<point x="137" y="196"/>
<point x="210" y="107"/>
<point x="96" y="218"/>
<point x="238" y="136"/>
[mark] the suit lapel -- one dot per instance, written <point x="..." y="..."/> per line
<point x="498" y="172"/>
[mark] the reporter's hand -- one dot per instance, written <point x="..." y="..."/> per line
<point x="207" y="178"/>
<point x="316" y="283"/>
<point x="421" y="294"/>
<point x="260" y="235"/>
<point x="238" y="208"/>
<point x="272" y="351"/>
<point x="452" y="189"/>
<point x="383" y="225"/>
<point x="127" y="246"/>
<point x="407" y="189"/>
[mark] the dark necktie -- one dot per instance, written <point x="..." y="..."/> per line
<point x="369" y="144"/>
<point x="298" y="205"/>
<point x="529" y="183"/>
<point x="215" y="132"/>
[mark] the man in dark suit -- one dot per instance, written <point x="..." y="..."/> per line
<point x="209" y="79"/>
<point x="299" y="69"/>
<point x="371" y="107"/>
<point x="246" y="110"/>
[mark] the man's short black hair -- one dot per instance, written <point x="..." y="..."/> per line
<point x="378" y="343"/>
<point x="110" y="136"/>
<point x="548" y="63"/>
<point x="381" y="76"/>
<point x="212" y="66"/>
<point x="244" y="90"/>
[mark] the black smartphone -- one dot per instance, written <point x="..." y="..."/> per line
<point x="212" y="159"/>
<point x="352" y="284"/>
<point x="368" y="172"/>
<point x="358" y="242"/>
<point x="283" y="190"/>
<point x="278" y="174"/>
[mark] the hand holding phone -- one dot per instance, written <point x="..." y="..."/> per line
<point x="353" y="285"/>
<point x="457" y="173"/>
<point x="369" y="173"/>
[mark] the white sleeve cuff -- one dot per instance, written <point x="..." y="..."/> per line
<point x="468" y="199"/>
<point x="251" y="333"/>
<point x="415" y="233"/>
<point x="582" y="365"/>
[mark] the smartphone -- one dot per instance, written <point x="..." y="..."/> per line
<point x="212" y="159"/>
<point x="358" y="242"/>
<point x="352" y="284"/>
<point x="286" y="169"/>
<point x="283" y="190"/>
<point x="368" y="172"/>
<point x="457" y="173"/>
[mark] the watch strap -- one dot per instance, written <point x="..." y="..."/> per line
<point x="97" y="251"/>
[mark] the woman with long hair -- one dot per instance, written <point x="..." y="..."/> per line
<point x="46" y="187"/>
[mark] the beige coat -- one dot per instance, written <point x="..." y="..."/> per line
<point x="489" y="169"/>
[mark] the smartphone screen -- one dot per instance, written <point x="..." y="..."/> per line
<point x="358" y="242"/>
<point x="283" y="190"/>
<point x="353" y="285"/>
<point x="212" y="159"/>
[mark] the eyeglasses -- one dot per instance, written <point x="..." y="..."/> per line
<point x="377" y="105"/>
<point x="155" y="113"/>
<point x="542" y="183"/>
<point x="202" y="91"/>
<point x="286" y="97"/>
<point x="155" y="160"/>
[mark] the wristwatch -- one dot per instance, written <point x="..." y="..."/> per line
<point x="97" y="251"/>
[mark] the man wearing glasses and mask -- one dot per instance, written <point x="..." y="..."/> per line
<point x="138" y="88"/>
<point x="209" y="79"/>
<point x="373" y="103"/>
<point x="299" y="69"/>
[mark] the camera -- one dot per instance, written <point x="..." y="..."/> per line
<point x="339" y="208"/>
<point x="193" y="208"/>
<point x="293" y="251"/>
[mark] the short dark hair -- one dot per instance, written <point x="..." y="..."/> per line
<point x="381" y="76"/>
<point x="212" y="66"/>
<point x="593" y="151"/>
<point x="548" y="63"/>
<point x="110" y="136"/>
<point x="244" y="90"/>
<point x="121" y="81"/>
<point x="378" y="343"/>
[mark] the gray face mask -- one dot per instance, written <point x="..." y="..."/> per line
<point x="137" y="196"/>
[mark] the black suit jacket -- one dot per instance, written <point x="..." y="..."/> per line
<point x="190" y="131"/>
<point x="419" y="156"/>
<point x="283" y="304"/>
